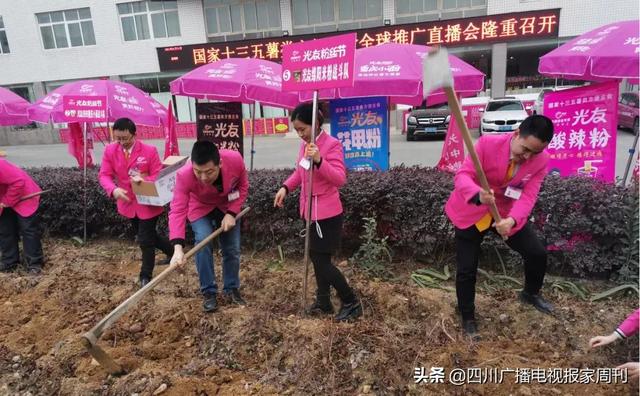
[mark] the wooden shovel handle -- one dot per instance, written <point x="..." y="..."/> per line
<point x="466" y="135"/>
<point x="94" y="334"/>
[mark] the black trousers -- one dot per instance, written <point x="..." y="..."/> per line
<point x="320" y="251"/>
<point x="468" y="243"/>
<point x="149" y="240"/>
<point x="12" y="228"/>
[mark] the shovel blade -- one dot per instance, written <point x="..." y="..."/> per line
<point x="436" y="72"/>
<point x="103" y="357"/>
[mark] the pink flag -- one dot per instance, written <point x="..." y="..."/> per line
<point x="452" y="150"/>
<point x="171" y="135"/>
<point x="76" y="144"/>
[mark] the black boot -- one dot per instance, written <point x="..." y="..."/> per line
<point x="537" y="301"/>
<point x="470" y="329"/>
<point x="349" y="311"/>
<point x="210" y="303"/>
<point x="321" y="306"/>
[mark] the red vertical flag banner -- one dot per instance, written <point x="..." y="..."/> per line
<point x="452" y="150"/>
<point x="170" y="134"/>
<point x="76" y="144"/>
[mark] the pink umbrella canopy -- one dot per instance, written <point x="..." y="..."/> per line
<point x="610" y="52"/>
<point x="395" y="70"/>
<point x="244" y="80"/>
<point x="13" y="108"/>
<point x="123" y="100"/>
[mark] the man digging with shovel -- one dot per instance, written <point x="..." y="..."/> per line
<point x="210" y="191"/>
<point x="497" y="186"/>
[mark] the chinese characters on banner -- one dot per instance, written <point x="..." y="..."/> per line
<point x="85" y="108"/>
<point x="452" y="150"/>
<point x="322" y="63"/>
<point x="221" y="123"/>
<point x="267" y="126"/>
<point x="485" y="29"/>
<point x="361" y="126"/>
<point x="584" y="140"/>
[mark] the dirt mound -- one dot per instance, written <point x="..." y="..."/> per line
<point x="169" y="347"/>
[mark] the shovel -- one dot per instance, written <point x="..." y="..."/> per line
<point x="436" y="73"/>
<point x="24" y="198"/>
<point x="91" y="337"/>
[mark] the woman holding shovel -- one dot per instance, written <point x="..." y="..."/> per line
<point x="326" y="156"/>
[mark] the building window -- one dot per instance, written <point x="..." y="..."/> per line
<point x="357" y="10"/>
<point x="143" y="20"/>
<point x="4" y="43"/>
<point x="313" y="12"/>
<point x="69" y="28"/>
<point x="405" y="8"/>
<point x="241" y="17"/>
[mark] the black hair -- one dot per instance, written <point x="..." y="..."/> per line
<point x="125" y="124"/>
<point x="304" y="113"/>
<point x="204" y="151"/>
<point x="537" y="126"/>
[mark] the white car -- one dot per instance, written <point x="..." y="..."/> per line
<point x="502" y="115"/>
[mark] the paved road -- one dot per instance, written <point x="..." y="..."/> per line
<point x="274" y="152"/>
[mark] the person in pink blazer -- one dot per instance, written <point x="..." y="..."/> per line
<point x="626" y="329"/>
<point x="515" y="165"/>
<point x="210" y="191"/>
<point x="19" y="219"/>
<point x="329" y="174"/>
<point x="128" y="161"/>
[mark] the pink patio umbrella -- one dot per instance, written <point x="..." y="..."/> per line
<point x="395" y="70"/>
<point x="246" y="80"/>
<point x="13" y="108"/>
<point x="610" y="52"/>
<point x="123" y="100"/>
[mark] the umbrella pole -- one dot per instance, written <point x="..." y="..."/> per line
<point x="253" y="134"/>
<point x="84" y="183"/>
<point x="307" y="240"/>
<point x="175" y="107"/>
<point x="632" y="151"/>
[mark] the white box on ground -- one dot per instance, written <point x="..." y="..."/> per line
<point x="160" y="191"/>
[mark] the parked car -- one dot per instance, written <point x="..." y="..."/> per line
<point x="429" y="121"/>
<point x="502" y="115"/>
<point x="539" y="102"/>
<point x="628" y="111"/>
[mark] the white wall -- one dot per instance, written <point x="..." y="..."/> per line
<point x="576" y="16"/>
<point x="29" y="61"/>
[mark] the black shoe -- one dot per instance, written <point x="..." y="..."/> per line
<point x="349" y="311"/>
<point x="166" y="261"/>
<point x="470" y="329"/>
<point x="321" y="306"/>
<point x="143" y="281"/>
<point x="210" y="303"/>
<point x="537" y="301"/>
<point x="34" y="270"/>
<point x="235" y="297"/>
<point x="7" y="267"/>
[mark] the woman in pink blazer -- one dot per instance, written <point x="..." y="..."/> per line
<point x="131" y="161"/>
<point x="329" y="174"/>
<point x="19" y="219"/>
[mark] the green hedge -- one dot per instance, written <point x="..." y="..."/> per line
<point x="590" y="227"/>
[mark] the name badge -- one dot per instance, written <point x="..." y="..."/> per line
<point x="513" y="193"/>
<point x="233" y="195"/>
<point x="305" y="163"/>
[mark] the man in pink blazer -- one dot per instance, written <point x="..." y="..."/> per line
<point x="127" y="161"/>
<point x="210" y="191"/>
<point x="19" y="218"/>
<point x="515" y="165"/>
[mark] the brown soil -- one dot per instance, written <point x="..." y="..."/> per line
<point x="268" y="347"/>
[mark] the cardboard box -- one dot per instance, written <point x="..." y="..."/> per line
<point x="160" y="192"/>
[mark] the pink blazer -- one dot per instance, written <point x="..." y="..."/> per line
<point x="15" y="184"/>
<point x="114" y="172"/>
<point x="630" y="325"/>
<point x="327" y="179"/>
<point x="193" y="200"/>
<point x="493" y="152"/>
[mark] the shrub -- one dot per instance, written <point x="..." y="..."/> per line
<point x="590" y="227"/>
